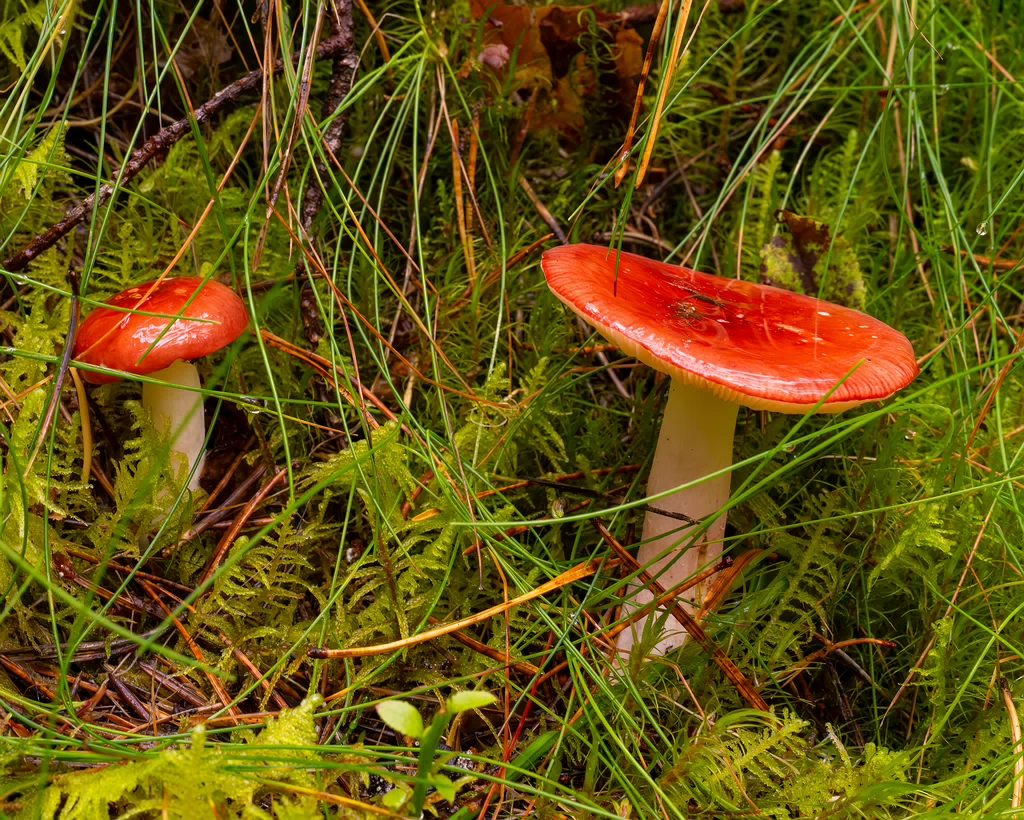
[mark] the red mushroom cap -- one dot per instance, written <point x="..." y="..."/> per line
<point x="118" y="337"/>
<point x="759" y="346"/>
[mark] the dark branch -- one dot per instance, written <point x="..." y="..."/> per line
<point x="345" y="62"/>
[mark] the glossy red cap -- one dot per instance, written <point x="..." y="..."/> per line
<point x="116" y="337"/>
<point x="759" y="346"/>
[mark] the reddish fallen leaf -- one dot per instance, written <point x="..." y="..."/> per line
<point x="544" y="49"/>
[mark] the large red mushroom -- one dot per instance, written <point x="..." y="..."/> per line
<point x="157" y="330"/>
<point x="725" y="343"/>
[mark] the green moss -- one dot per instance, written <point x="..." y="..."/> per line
<point x="862" y="523"/>
<point x="202" y="780"/>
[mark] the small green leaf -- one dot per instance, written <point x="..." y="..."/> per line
<point x="464" y="701"/>
<point x="444" y="787"/>
<point x="402" y="717"/>
<point x="394" y="799"/>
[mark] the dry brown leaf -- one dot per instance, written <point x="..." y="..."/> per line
<point x="629" y="54"/>
<point x="204" y="48"/>
<point x="538" y="49"/>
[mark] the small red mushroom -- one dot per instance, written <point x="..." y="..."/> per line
<point x="725" y="343"/>
<point x="158" y="329"/>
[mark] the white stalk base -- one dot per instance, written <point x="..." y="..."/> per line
<point x="179" y="413"/>
<point x="696" y="440"/>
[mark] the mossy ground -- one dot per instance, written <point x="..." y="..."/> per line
<point x="407" y="371"/>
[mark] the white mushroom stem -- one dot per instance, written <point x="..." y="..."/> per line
<point x="696" y="440"/>
<point x="179" y="413"/>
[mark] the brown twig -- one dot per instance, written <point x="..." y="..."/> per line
<point x="345" y="62"/>
<point x="243" y="659"/>
<point x="665" y="86"/>
<point x="119" y="567"/>
<point x="129" y="696"/>
<point x="301" y="103"/>
<point x="180" y="686"/>
<point x="816" y="656"/>
<point x="1011" y="362"/>
<point x="217" y="516"/>
<point x="495" y="274"/>
<point x="986" y="261"/>
<point x="607" y="635"/>
<point x="229" y="474"/>
<point x="24" y="676"/>
<point x="84" y="652"/>
<point x="462" y="218"/>
<point x="724" y="581"/>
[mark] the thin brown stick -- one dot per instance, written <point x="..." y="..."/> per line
<point x="495" y="274"/>
<point x="378" y="35"/>
<point x="345" y="62"/>
<point x="327" y="370"/>
<point x="816" y="656"/>
<point x="986" y="261"/>
<point x="301" y="103"/>
<point x="24" y="676"/>
<point x="724" y="581"/>
<point x="128" y="696"/>
<point x="214" y="517"/>
<point x="178" y="686"/>
<point x="523" y="667"/>
<point x="995" y="63"/>
<point x="229" y="474"/>
<point x="1018" y="348"/>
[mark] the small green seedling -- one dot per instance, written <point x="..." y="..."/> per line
<point x="405" y="719"/>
